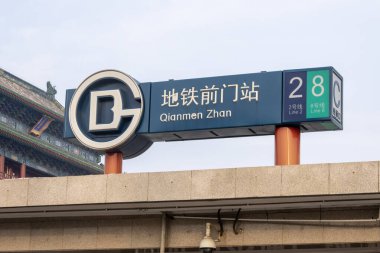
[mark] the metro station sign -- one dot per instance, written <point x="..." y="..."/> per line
<point x="216" y="106"/>
<point x="313" y="95"/>
<point x="111" y="112"/>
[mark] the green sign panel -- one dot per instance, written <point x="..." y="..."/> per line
<point x="318" y="94"/>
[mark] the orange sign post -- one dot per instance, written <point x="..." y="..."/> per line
<point x="114" y="162"/>
<point x="287" y="145"/>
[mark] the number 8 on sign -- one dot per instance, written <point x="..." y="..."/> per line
<point x="317" y="98"/>
<point x="319" y="85"/>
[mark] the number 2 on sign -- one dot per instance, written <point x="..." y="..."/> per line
<point x="292" y="94"/>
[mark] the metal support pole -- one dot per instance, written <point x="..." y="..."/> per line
<point x="287" y="142"/>
<point x="163" y="233"/>
<point x="23" y="170"/>
<point x="114" y="162"/>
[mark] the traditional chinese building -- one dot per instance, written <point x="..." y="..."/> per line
<point x="31" y="134"/>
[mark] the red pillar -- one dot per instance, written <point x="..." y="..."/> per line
<point x="23" y="170"/>
<point x="114" y="162"/>
<point x="2" y="166"/>
<point x="287" y="142"/>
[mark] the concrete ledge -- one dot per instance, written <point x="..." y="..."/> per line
<point x="14" y="192"/>
<point x="354" y="177"/>
<point x="165" y="186"/>
<point x="213" y="184"/>
<point x="258" y="182"/>
<point x="275" y="181"/>
<point x="47" y="191"/>
<point x="86" y="189"/>
<point x="298" y="180"/>
<point x="127" y="188"/>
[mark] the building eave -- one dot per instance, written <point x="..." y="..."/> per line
<point x="52" y="150"/>
<point x="20" y="90"/>
<point x="31" y="103"/>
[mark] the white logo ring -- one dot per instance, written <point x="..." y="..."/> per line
<point x="103" y="146"/>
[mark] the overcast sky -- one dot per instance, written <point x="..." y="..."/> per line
<point x="65" y="41"/>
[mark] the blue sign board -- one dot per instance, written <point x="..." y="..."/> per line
<point x="111" y="111"/>
<point x="216" y="102"/>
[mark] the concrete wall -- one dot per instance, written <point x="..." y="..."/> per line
<point x="145" y="232"/>
<point x="80" y="233"/>
<point x="303" y="180"/>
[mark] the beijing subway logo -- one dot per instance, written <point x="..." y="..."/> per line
<point x="117" y="109"/>
<point x="106" y="110"/>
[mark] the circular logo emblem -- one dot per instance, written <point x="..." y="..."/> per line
<point x="106" y="110"/>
